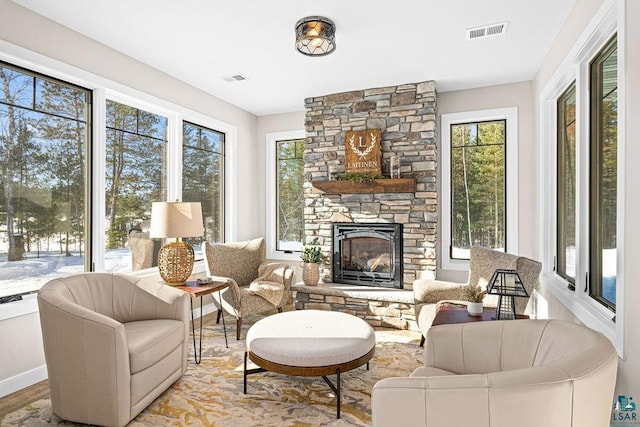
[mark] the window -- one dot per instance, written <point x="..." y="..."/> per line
<point x="203" y="177"/>
<point x="290" y="195"/>
<point x="136" y="169"/>
<point x="285" y="194"/>
<point x="477" y="186"/>
<point x="45" y="132"/>
<point x="479" y="183"/>
<point x="566" y="186"/>
<point x="72" y="197"/>
<point x="603" y="172"/>
<point x="581" y="181"/>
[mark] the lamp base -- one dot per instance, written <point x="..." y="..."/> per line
<point x="175" y="262"/>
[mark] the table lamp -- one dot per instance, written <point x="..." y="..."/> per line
<point x="507" y="285"/>
<point x="176" y="220"/>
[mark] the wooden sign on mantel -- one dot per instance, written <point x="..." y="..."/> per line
<point x="362" y="152"/>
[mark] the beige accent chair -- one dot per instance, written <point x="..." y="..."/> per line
<point x="482" y="263"/>
<point x="243" y="262"/>
<point x="112" y="344"/>
<point x="525" y="373"/>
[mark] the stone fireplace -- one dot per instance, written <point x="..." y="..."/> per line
<point x="406" y="117"/>
<point x="368" y="254"/>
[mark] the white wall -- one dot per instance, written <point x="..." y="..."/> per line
<point x="629" y="40"/>
<point x="509" y="95"/>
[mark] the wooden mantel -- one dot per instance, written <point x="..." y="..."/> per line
<point x="386" y="185"/>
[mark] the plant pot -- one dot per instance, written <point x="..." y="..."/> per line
<point x="310" y="273"/>
<point x="474" y="308"/>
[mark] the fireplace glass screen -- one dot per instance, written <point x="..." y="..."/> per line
<point x="367" y="254"/>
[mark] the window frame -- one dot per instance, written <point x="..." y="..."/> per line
<point x="271" y="234"/>
<point x="510" y="115"/>
<point x="595" y="268"/>
<point x="222" y="178"/>
<point x="576" y="67"/>
<point x="560" y="187"/>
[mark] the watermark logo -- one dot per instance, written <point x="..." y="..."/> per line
<point x="624" y="410"/>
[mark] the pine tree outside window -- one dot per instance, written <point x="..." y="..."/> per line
<point x="290" y="195"/>
<point x="477" y="186"/>
<point x="203" y="177"/>
<point x="136" y="168"/>
<point x="45" y="132"/>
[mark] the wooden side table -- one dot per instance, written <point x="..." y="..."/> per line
<point x="194" y="290"/>
<point x="448" y="313"/>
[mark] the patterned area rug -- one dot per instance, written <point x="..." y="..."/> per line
<point x="210" y="394"/>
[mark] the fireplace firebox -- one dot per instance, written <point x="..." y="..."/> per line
<point x="368" y="254"/>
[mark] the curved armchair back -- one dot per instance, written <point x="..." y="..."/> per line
<point x="486" y="347"/>
<point x="528" y="373"/>
<point x="119" y="297"/>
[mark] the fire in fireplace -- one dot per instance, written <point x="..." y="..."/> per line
<point x="368" y="254"/>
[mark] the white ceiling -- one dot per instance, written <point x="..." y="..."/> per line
<point x="379" y="43"/>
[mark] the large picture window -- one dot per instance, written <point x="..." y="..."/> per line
<point x="603" y="173"/>
<point x="45" y="132"/>
<point x="581" y="185"/>
<point x="479" y="183"/>
<point x="566" y="186"/>
<point x="290" y="195"/>
<point x="285" y="194"/>
<point x="136" y="169"/>
<point x="477" y="186"/>
<point x="203" y="177"/>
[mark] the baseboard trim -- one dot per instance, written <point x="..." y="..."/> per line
<point x="22" y="380"/>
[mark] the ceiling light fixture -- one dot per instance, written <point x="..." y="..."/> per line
<point x="315" y="36"/>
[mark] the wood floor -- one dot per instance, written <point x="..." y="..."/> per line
<point x="23" y="397"/>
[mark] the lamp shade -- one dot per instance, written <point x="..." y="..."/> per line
<point x="176" y="219"/>
<point x="315" y="36"/>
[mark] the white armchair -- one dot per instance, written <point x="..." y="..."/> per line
<point x="525" y="373"/>
<point x="112" y="344"/>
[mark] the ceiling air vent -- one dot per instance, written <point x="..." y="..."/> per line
<point x="486" y="31"/>
<point x="234" y="78"/>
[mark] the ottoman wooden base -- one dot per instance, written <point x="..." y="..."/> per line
<point x="309" y="327"/>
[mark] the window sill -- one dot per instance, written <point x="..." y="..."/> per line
<point x="29" y="303"/>
<point x="586" y="311"/>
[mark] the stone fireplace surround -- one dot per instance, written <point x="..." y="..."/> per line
<point x="406" y="116"/>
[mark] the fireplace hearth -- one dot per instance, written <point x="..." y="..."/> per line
<point x="368" y="254"/>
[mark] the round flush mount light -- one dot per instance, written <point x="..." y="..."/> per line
<point x="315" y="36"/>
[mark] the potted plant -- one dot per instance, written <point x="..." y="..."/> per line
<point x="474" y="294"/>
<point x="311" y="258"/>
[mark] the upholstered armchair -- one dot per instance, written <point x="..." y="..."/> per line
<point x="525" y="373"/>
<point x="482" y="263"/>
<point x="112" y="344"/>
<point x="243" y="263"/>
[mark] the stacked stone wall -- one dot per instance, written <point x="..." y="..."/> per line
<point x="406" y="116"/>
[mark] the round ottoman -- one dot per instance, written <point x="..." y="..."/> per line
<point x="309" y="343"/>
